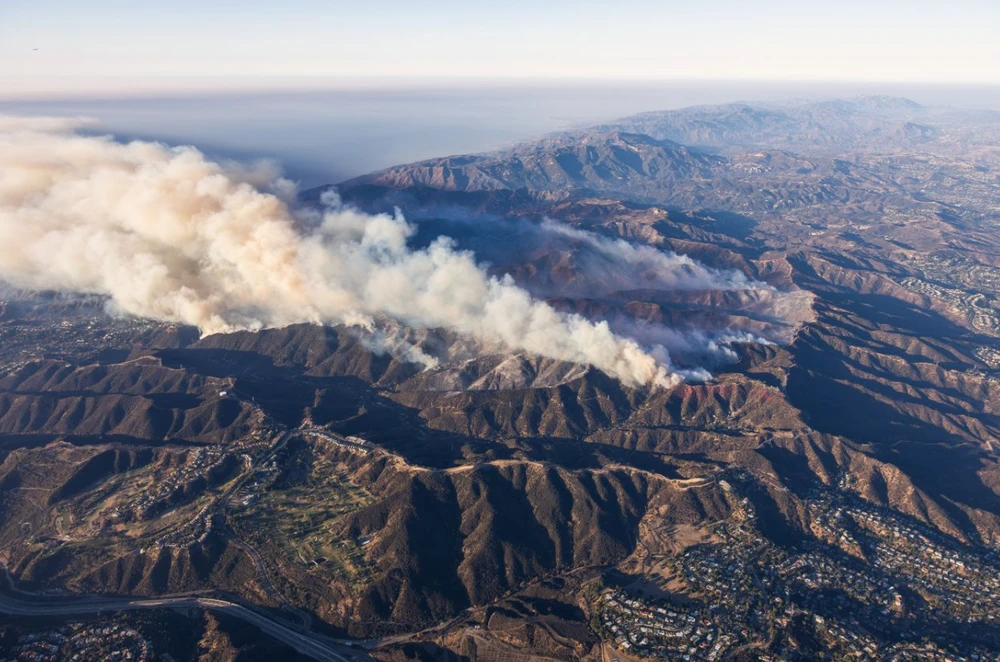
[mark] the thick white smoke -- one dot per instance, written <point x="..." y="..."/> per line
<point x="170" y="235"/>
<point x="710" y="309"/>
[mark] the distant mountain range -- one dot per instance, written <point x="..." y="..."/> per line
<point x="863" y="123"/>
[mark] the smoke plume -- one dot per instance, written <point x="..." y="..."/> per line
<point x="709" y="309"/>
<point x="167" y="234"/>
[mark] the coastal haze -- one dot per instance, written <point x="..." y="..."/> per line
<point x="321" y="131"/>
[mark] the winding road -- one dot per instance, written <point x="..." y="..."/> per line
<point x="303" y="643"/>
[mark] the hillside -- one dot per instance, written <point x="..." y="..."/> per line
<point x="823" y="277"/>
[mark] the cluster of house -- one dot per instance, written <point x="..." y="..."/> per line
<point x="81" y="643"/>
<point x="641" y="628"/>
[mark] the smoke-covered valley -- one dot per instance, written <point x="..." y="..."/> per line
<point x="167" y="234"/>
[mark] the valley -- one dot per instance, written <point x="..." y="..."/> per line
<point x="823" y="480"/>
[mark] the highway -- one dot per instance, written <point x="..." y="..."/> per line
<point x="303" y="643"/>
<point x="265" y="579"/>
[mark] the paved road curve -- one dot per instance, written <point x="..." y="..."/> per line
<point x="303" y="643"/>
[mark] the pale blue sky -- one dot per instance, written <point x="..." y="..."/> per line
<point x="872" y="40"/>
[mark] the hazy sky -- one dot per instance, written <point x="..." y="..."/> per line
<point x="880" y="40"/>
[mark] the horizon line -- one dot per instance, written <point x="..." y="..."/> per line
<point x="46" y="88"/>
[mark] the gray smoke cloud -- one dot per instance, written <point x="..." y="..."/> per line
<point x="579" y="263"/>
<point x="168" y="234"/>
<point x="615" y="265"/>
<point x="709" y="310"/>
